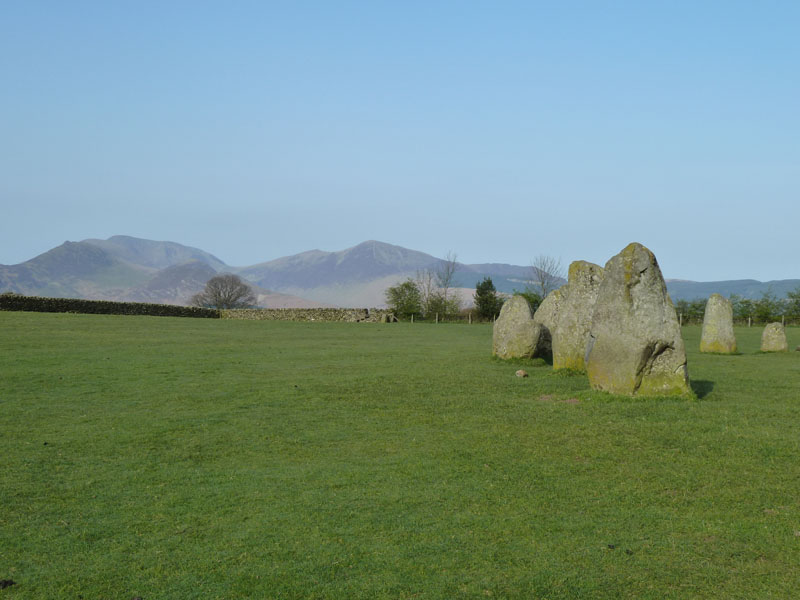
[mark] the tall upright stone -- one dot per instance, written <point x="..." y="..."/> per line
<point x="573" y="319"/>
<point x="546" y="316"/>
<point x="774" y="338"/>
<point x="515" y="333"/>
<point x="718" y="333"/>
<point x="635" y="345"/>
<point x="547" y="313"/>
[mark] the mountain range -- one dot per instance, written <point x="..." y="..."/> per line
<point x="134" y="269"/>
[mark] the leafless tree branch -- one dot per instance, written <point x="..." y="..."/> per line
<point x="546" y="273"/>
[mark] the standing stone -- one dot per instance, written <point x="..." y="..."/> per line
<point x="718" y="326"/>
<point x="515" y="333"/>
<point x="547" y="313"/>
<point x="774" y="338"/>
<point x="546" y="316"/>
<point x="635" y="344"/>
<point x="573" y="319"/>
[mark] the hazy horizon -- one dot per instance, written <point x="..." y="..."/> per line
<point x="264" y="260"/>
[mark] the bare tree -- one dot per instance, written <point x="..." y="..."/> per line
<point x="426" y="282"/>
<point x="446" y="272"/>
<point x="547" y="274"/>
<point x="225" y="291"/>
<point x="435" y="286"/>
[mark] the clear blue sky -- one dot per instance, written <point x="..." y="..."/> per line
<point x="497" y="130"/>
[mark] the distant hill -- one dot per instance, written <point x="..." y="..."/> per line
<point x="174" y="284"/>
<point x="73" y="270"/>
<point x="128" y="268"/>
<point x="154" y="255"/>
<point x="356" y="276"/>
<point x="746" y="288"/>
<point x="177" y="284"/>
<point x="501" y="270"/>
<point x="365" y="262"/>
<point x="359" y="276"/>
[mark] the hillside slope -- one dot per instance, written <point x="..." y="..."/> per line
<point x="73" y="269"/>
<point x="128" y="268"/>
<point x="154" y="255"/>
<point x="747" y="288"/>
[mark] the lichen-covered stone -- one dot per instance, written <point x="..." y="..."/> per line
<point x="515" y="334"/>
<point x="774" y="338"/>
<point x="718" y="333"/>
<point x="546" y="316"/>
<point x="635" y="345"/>
<point x="573" y="315"/>
<point x="547" y="313"/>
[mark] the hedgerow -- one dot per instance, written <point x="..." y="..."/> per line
<point x="101" y="307"/>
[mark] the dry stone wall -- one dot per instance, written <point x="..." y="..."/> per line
<point x="101" y="307"/>
<point x="345" y="315"/>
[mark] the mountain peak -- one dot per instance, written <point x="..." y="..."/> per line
<point x="152" y="254"/>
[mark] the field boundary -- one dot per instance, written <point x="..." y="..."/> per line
<point x="346" y="315"/>
<point x="17" y="302"/>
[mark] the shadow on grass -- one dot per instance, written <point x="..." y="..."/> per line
<point x="524" y="362"/>
<point x="569" y="373"/>
<point x="701" y="387"/>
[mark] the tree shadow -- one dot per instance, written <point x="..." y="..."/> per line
<point x="701" y="387"/>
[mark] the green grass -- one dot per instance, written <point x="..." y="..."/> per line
<point x="194" y="458"/>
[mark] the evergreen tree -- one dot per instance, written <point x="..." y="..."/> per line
<point x="487" y="302"/>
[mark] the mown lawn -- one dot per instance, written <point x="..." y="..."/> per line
<point x="178" y="458"/>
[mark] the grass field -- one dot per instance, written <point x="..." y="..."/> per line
<point x="191" y="458"/>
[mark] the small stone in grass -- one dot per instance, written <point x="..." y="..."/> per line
<point x="521" y="373"/>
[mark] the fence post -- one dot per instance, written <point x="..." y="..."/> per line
<point x="412" y="317"/>
<point x="680" y="319"/>
<point x="470" y="318"/>
<point x="749" y="321"/>
<point x="437" y="317"/>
